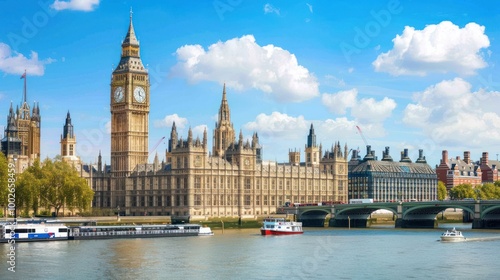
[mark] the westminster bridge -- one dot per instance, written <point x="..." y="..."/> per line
<point x="483" y="214"/>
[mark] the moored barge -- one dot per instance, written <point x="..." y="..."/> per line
<point x="132" y="231"/>
<point x="31" y="232"/>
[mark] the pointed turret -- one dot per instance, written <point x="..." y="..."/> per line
<point x="190" y="136"/>
<point x="224" y="113"/>
<point x="11" y="144"/>
<point x="35" y="116"/>
<point x="130" y="60"/>
<point x="68" y="128"/>
<point x="11" y="129"/>
<point x="313" y="152"/>
<point x="68" y="142"/>
<point x="240" y="141"/>
<point x="99" y="162"/>
<point x="130" y="38"/>
<point x="205" y="137"/>
<point x="172" y="142"/>
<point x="156" y="162"/>
<point x="311" y="138"/>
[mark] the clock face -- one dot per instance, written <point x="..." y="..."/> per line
<point x="118" y="95"/>
<point x="247" y="162"/>
<point x="139" y="94"/>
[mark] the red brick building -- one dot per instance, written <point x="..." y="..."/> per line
<point x="489" y="169"/>
<point x="456" y="171"/>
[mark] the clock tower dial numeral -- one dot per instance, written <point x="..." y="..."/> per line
<point x="118" y="95"/>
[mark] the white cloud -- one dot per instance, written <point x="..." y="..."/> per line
<point x="76" y="5"/>
<point x="242" y="64"/>
<point x="365" y="110"/>
<point x="450" y="113"/>
<point x="168" y="120"/>
<point x="371" y="111"/>
<point x="277" y="125"/>
<point x="278" y="128"/>
<point x="339" y="102"/>
<point x="441" y="48"/>
<point x="15" y="63"/>
<point x="268" y="9"/>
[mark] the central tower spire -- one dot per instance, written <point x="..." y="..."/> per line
<point x="224" y="131"/>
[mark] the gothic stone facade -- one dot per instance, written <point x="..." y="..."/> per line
<point x="21" y="141"/>
<point x="232" y="180"/>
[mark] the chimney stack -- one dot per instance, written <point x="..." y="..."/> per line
<point x="484" y="159"/>
<point x="444" y="158"/>
<point x="467" y="157"/>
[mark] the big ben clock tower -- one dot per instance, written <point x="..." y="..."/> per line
<point x="129" y="109"/>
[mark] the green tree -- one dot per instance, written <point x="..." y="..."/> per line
<point x="54" y="185"/>
<point x="489" y="191"/>
<point x="462" y="191"/>
<point x="442" y="193"/>
<point x="28" y="188"/>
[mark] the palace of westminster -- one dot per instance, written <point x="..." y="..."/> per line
<point x="230" y="180"/>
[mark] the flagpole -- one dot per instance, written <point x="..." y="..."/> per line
<point x="25" y="78"/>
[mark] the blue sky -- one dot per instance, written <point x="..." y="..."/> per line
<point x="410" y="75"/>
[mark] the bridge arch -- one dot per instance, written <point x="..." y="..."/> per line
<point x="424" y="215"/>
<point x="492" y="210"/>
<point x="313" y="217"/>
<point x="371" y="209"/>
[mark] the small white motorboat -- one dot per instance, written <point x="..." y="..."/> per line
<point x="452" y="236"/>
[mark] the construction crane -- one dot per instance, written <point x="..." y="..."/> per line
<point x="156" y="146"/>
<point x="362" y="136"/>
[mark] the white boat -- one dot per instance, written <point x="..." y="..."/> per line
<point x="452" y="236"/>
<point x="25" y="232"/>
<point x="205" y="231"/>
<point x="279" y="226"/>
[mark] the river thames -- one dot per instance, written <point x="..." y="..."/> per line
<point x="329" y="253"/>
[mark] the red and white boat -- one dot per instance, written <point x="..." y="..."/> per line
<point x="279" y="226"/>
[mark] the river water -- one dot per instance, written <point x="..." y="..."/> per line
<point x="320" y="253"/>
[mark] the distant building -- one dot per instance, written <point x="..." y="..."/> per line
<point x="388" y="180"/>
<point x="489" y="169"/>
<point x="456" y="171"/>
<point x="68" y="145"/>
<point x="21" y="141"/>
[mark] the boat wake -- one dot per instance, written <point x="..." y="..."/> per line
<point x="483" y="238"/>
